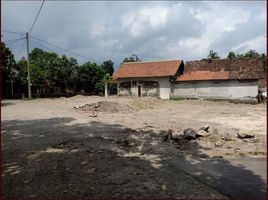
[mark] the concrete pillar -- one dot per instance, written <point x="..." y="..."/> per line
<point x="106" y="89"/>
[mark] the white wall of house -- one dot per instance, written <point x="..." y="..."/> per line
<point x="164" y="87"/>
<point x="231" y="89"/>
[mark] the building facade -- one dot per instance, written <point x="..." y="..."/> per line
<point x="219" y="78"/>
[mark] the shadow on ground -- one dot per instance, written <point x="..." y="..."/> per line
<point x="58" y="158"/>
<point x="6" y="103"/>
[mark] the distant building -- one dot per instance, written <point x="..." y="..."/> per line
<point x="219" y="78"/>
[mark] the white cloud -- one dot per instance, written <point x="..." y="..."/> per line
<point x="149" y="17"/>
<point x="256" y="43"/>
<point x="153" y="30"/>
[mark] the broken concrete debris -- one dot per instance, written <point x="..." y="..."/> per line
<point x="245" y="135"/>
<point x="202" y="133"/>
<point x="186" y="135"/>
<point x="93" y="114"/>
<point x="204" y="128"/>
<point x="189" y="134"/>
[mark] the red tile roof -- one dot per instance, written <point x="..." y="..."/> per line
<point x="204" y="75"/>
<point x="222" y="69"/>
<point x="147" y="69"/>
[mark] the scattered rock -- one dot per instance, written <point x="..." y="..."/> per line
<point x="227" y="137"/>
<point x="93" y="115"/>
<point x="202" y="133"/>
<point x="204" y="128"/>
<point x="164" y="187"/>
<point x="178" y="138"/>
<point x="217" y="157"/>
<point x="251" y="140"/>
<point x="245" y="135"/>
<point x="189" y="134"/>
<point x="218" y="144"/>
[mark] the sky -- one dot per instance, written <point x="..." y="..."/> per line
<point x="154" y="30"/>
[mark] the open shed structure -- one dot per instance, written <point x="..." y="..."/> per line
<point x="147" y="78"/>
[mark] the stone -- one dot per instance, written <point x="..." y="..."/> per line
<point x="164" y="187"/>
<point x="202" y="133"/>
<point x="227" y="137"/>
<point x="245" y="135"/>
<point x="189" y="134"/>
<point x="204" y="128"/>
<point x="218" y="144"/>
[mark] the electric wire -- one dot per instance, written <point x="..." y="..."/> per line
<point x="13" y="32"/>
<point x="37" y="16"/>
<point x="77" y="54"/>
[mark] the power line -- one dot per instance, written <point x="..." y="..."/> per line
<point x="6" y="31"/>
<point x="14" y="41"/>
<point x="21" y="47"/>
<point x="61" y="48"/>
<point x="40" y="44"/>
<point x="37" y="16"/>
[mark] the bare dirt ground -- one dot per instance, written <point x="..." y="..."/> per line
<point x="53" y="148"/>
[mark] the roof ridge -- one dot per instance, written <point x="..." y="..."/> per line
<point x="224" y="59"/>
<point x="151" y="61"/>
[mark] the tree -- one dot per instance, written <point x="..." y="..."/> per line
<point x="264" y="64"/>
<point x="213" y="55"/>
<point x="108" y="67"/>
<point x="251" y="54"/>
<point x="231" y="55"/>
<point x="132" y="58"/>
<point x="88" y="75"/>
<point x="8" y="67"/>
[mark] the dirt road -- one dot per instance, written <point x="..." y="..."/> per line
<point x="51" y="149"/>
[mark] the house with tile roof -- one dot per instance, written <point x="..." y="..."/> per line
<point x="152" y="78"/>
<point x="219" y="78"/>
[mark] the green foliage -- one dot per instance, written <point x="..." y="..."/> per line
<point x="213" y="55"/>
<point x="50" y="71"/>
<point x="108" y="67"/>
<point x="132" y="58"/>
<point x="99" y="88"/>
<point x="264" y="64"/>
<point x="8" y="67"/>
<point x="107" y="76"/>
<point x="231" y="55"/>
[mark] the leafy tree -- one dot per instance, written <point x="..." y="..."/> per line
<point x="99" y="88"/>
<point x="132" y="58"/>
<point x="251" y="54"/>
<point x="107" y="76"/>
<point x="264" y="64"/>
<point x="87" y="75"/>
<point x="231" y="55"/>
<point x="108" y="67"/>
<point x="8" y="66"/>
<point x="213" y="55"/>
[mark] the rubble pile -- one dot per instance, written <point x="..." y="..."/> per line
<point x="105" y="106"/>
<point x="221" y="143"/>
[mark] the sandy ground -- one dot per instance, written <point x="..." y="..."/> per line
<point x="51" y="149"/>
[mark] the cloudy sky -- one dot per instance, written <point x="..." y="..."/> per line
<point x="152" y="30"/>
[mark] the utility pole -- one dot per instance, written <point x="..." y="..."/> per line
<point x="28" y="66"/>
